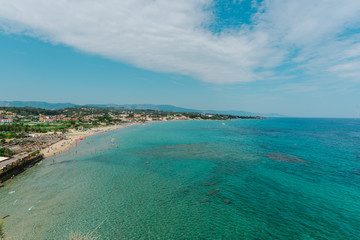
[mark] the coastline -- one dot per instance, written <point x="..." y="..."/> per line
<point x="74" y="136"/>
<point x="165" y="168"/>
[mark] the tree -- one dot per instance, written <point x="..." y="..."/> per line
<point x="2" y="233"/>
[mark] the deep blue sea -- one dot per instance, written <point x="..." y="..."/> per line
<point x="280" y="178"/>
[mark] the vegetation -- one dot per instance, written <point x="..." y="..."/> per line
<point x="27" y="111"/>
<point x="19" y="130"/>
<point x="35" y="153"/>
<point x="91" y="235"/>
<point x="5" y="152"/>
<point x="2" y="233"/>
<point x="21" y="127"/>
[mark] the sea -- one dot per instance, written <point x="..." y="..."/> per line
<point x="276" y="178"/>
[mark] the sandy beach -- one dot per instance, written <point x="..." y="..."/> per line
<point x="73" y="136"/>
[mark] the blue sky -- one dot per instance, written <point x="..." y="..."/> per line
<point x="297" y="58"/>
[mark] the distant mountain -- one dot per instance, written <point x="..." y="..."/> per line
<point x="169" y="108"/>
<point x="43" y="105"/>
<point x="244" y="113"/>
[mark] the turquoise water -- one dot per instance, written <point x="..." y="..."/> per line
<point x="247" y="179"/>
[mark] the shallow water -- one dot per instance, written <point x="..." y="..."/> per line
<point x="247" y="179"/>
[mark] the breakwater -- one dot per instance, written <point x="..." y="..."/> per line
<point x="16" y="165"/>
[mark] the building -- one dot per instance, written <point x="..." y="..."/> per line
<point x="6" y="120"/>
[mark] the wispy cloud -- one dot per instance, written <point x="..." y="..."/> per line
<point x="171" y="36"/>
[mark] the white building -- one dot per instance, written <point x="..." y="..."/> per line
<point x="5" y="120"/>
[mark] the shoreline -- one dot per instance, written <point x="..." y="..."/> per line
<point x="75" y="136"/>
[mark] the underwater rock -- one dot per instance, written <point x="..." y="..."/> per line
<point x="209" y="184"/>
<point x="282" y="157"/>
<point x="213" y="192"/>
<point x="356" y="172"/>
<point x="205" y="200"/>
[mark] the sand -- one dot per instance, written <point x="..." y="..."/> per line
<point x="73" y="137"/>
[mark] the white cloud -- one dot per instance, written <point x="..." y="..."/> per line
<point x="169" y="36"/>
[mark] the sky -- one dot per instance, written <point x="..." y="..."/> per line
<point x="292" y="57"/>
